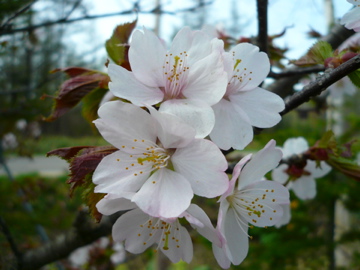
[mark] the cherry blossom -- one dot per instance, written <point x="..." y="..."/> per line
<point x="302" y="179"/>
<point x="141" y="231"/>
<point x="187" y="80"/>
<point x="160" y="164"/>
<point x="244" y="104"/>
<point x="253" y="200"/>
<point x="351" y="19"/>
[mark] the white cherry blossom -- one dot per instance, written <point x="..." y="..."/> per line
<point x="244" y="104"/>
<point x="141" y="231"/>
<point x="253" y="200"/>
<point x="351" y="19"/>
<point x="160" y="164"/>
<point x="304" y="186"/>
<point x="187" y="79"/>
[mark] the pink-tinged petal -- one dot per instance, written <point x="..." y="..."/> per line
<point x="261" y="163"/>
<point x="165" y="194"/>
<point x="295" y="146"/>
<point x="147" y="56"/>
<point x="317" y="172"/>
<point x="286" y="217"/>
<point x="351" y="19"/>
<point x="304" y="187"/>
<point x="124" y="85"/>
<point x="261" y="106"/>
<point x="130" y="228"/>
<point x="207" y="80"/>
<point x="182" y="41"/>
<point x="111" y="175"/>
<point x="181" y="250"/>
<point x="235" y="230"/>
<point x="207" y="229"/>
<point x="120" y="123"/>
<point x="250" y="66"/>
<point x="203" y="165"/>
<point x="195" y="113"/>
<point x="232" y="127"/>
<point x="172" y="131"/>
<point x="221" y="257"/>
<point x="235" y="175"/>
<point x="108" y="206"/>
<point x="268" y="196"/>
<point x="279" y="175"/>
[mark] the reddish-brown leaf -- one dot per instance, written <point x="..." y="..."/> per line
<point x="74" y="89"/>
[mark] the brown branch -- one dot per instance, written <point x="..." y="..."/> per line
<point x="322" y="82"/>
<point x="17" y="14"/>
<point x="65" y="20"/>
<point x="262" y="38"/>
<point x="296" y="72"/>
<point x="284" y="86"/>
<point x="83" y="232"/>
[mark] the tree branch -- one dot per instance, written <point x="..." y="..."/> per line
<point x="83" y="232"/>
<point x="262" y="38"/>
<point x="16" y="14"/>
<point x="295" y="72"/>
<point x="322" y="82"/>
<point x="284" y="86"/>
<point x="65" y="20"/>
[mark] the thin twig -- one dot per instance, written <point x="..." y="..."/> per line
<point x="296" y="72"/>
<point x="16" y="14"/>
<point x="11" y="242"/>
<point x="262" y="38"/>
<point x="315" y="88"/>
<point x="65" y="20"/>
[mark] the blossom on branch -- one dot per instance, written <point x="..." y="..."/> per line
<point x="351" y="19"/>
<point x="186" y="80"/>
<point x="141" y="231"/>
<point x="160" y="164"/>
<point x="244" y="104"/>
<point x="299" y="177"/>
<point x="253" y="200"/>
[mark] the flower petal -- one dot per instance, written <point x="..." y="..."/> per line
<point x="261" y="106"/>
<point x="221" y="257"/>
<point x="286" y="217"/>
<point x="295" y="146"/>
<point x="195" y="113"/>
<point x="253" y="67"/>
<point x="120" y="123"/>
<point x="279" y="175"/>
<point x="110" y="205"/>
<point x="232" y="127"/>
<point x="124" y="85"/>
<point x="147" y="56"/>
<point x="207" y="229"/>
<point x="172" y="131"/>
<point x="165" y="194"/>
<point x="317" y="172"/>
<point x="203" y="165"/>
<point x="207" y="80"/>
<point x="111" y="175"/>
<point x="304" y="187"/>
<point x="261" y="162"/>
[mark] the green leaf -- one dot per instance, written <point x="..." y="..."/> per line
<point x="355" y="77"/>
<point x="317" y="54"/>
<point x="117" y="45"/>
<point x="91" y="102"/>
<point x="91" y="198"/>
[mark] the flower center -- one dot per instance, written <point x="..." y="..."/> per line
<point x="175" y="75"/>
<point x="168" y="234"/>
<point x="144" y="157"/>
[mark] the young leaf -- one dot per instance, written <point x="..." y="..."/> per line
<point x="117" y="45"/>
<point x="81" y="83"/>
<point x="317" y="54"/>
<point x="355" y="78"/>
<point x="91" y="102"/>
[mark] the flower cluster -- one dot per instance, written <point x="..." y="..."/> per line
<point x="170" y="101"/>
<point x="298" y="176"/>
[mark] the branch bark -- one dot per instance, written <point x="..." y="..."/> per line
<point x="84" y="232"/>
<point x="284" y="86"/>
<point x="315" y="88"/>
<point x="262" y="38"/>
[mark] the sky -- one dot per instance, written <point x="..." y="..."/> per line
<point x="297" y="16"/>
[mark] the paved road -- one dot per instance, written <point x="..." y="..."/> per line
<point x="41" y="164"/>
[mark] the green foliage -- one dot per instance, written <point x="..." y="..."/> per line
<point x="117" y="46"/>
<point x="355" y="78"/>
